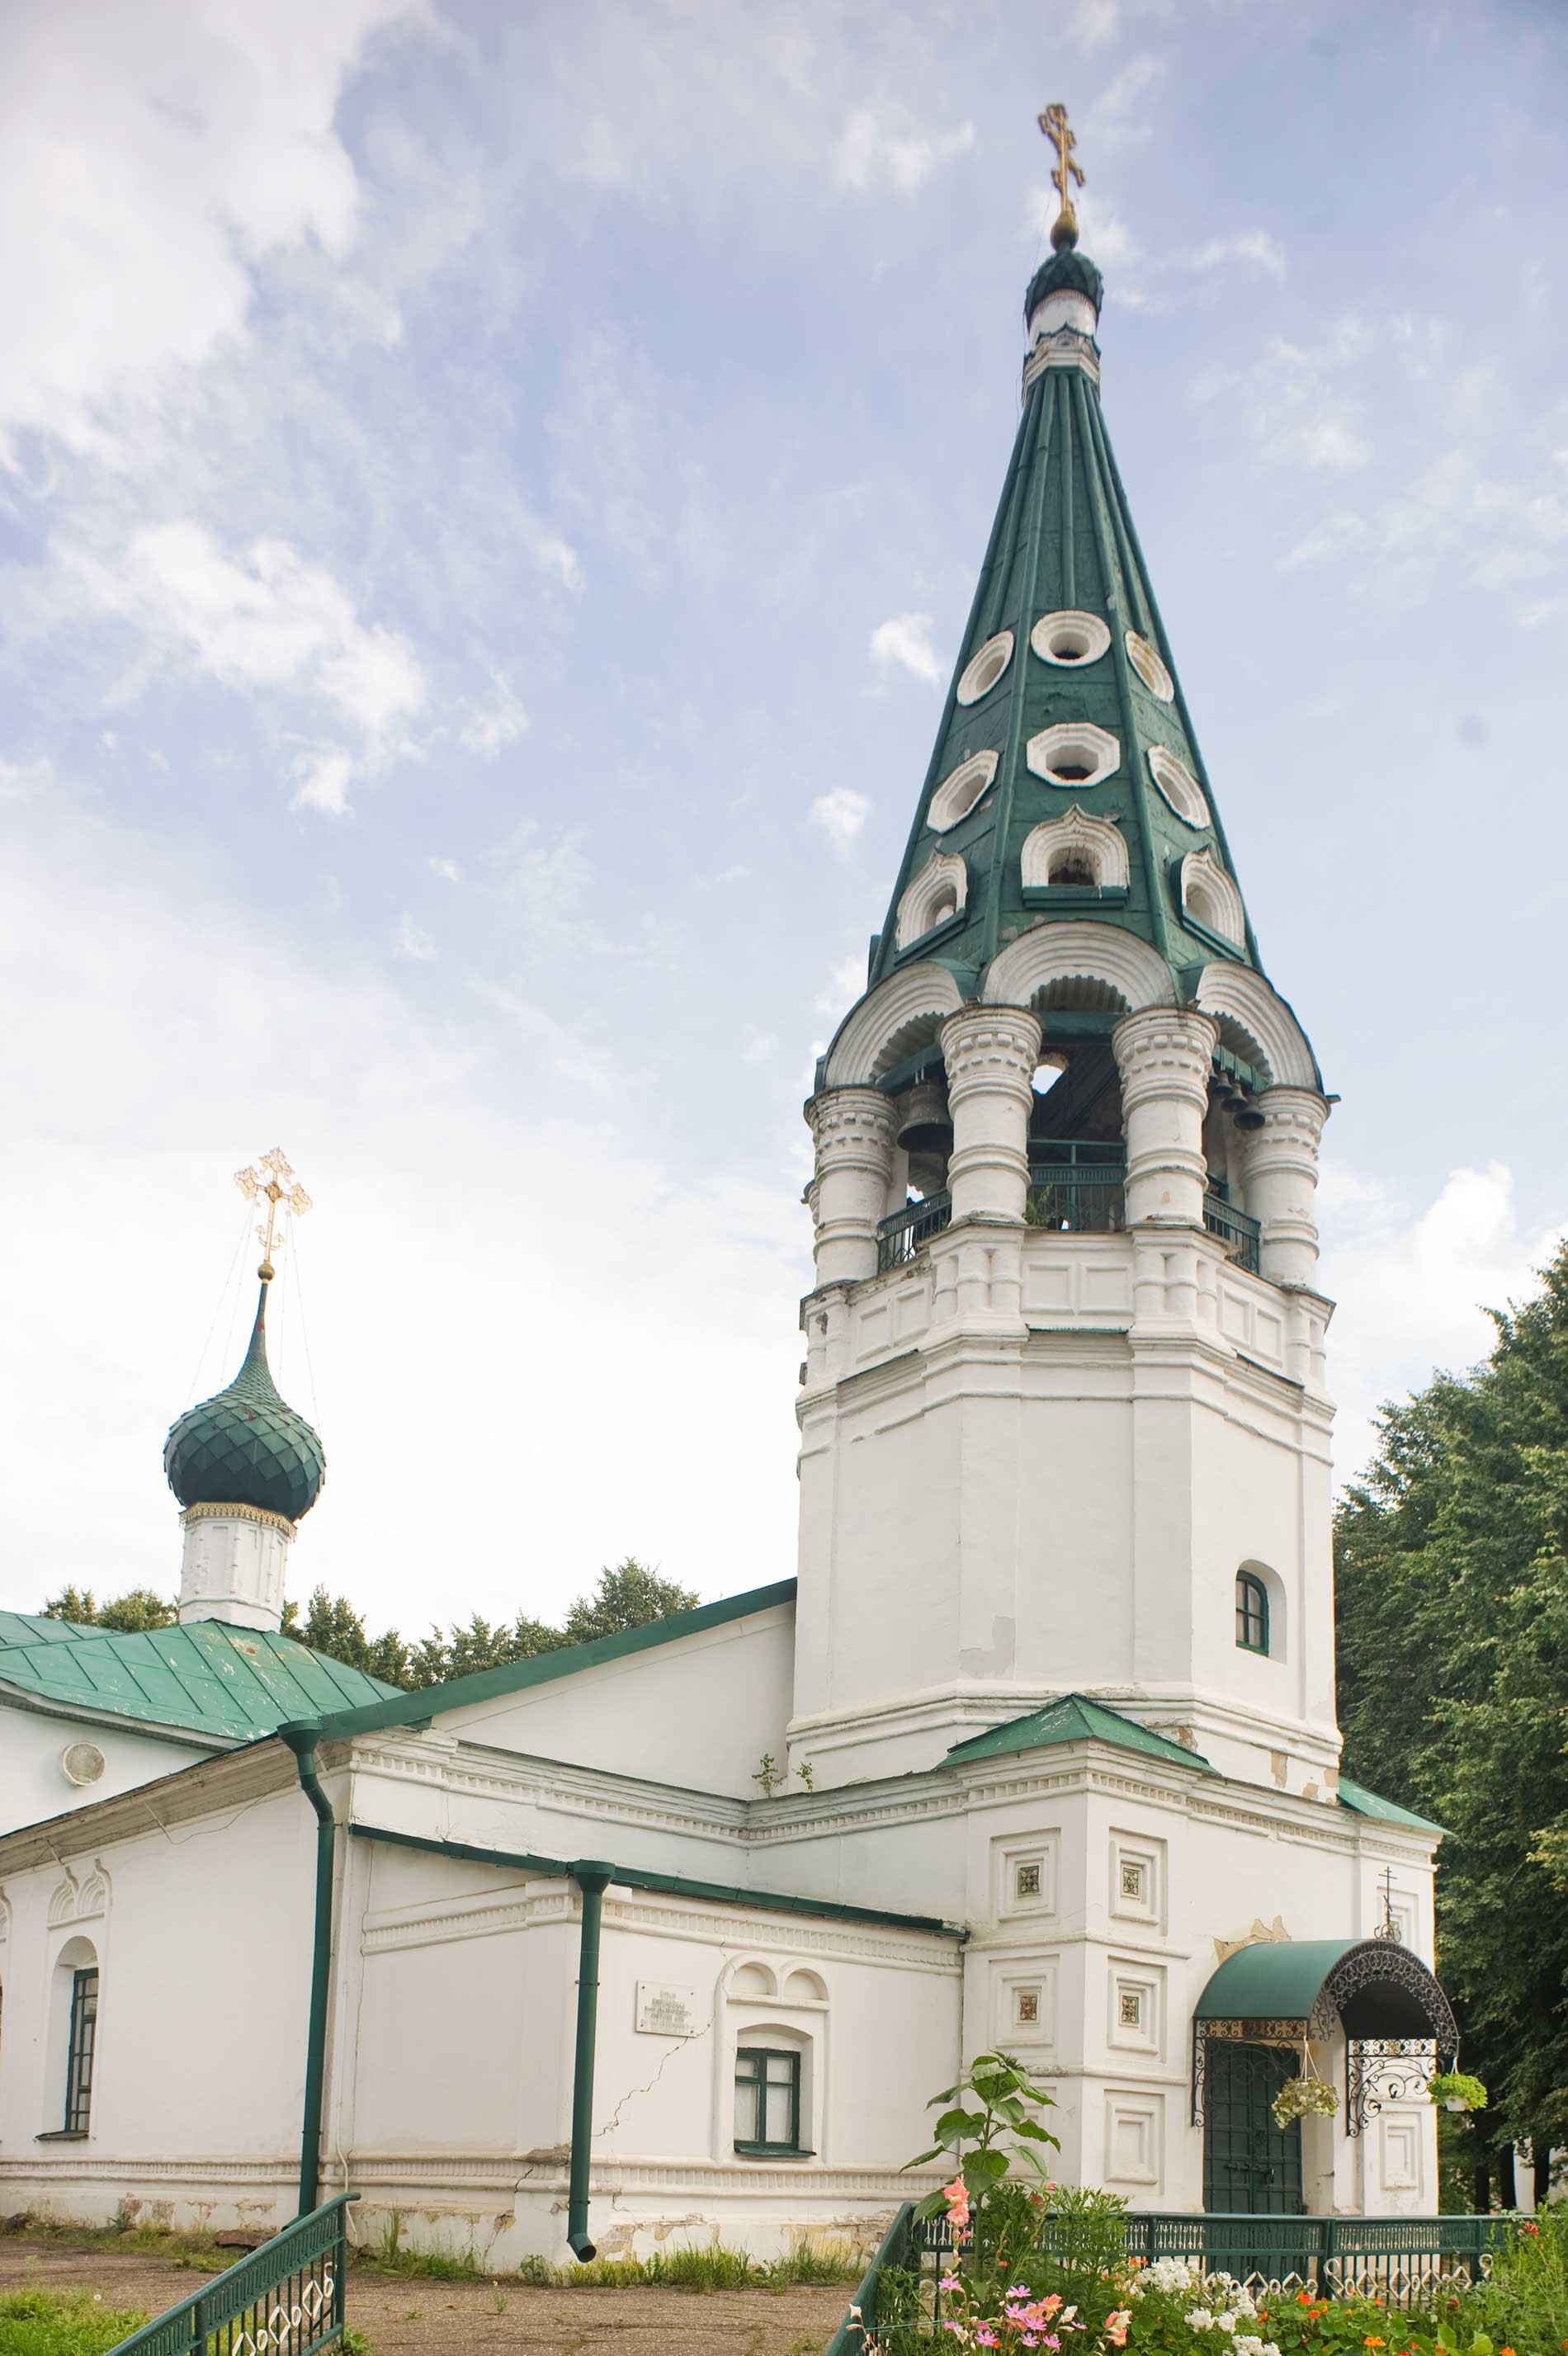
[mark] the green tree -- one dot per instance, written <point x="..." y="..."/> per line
<point x="630" y="1596"/>
<point x="1453" y="1637"/>
<point x="130" y="1614"/>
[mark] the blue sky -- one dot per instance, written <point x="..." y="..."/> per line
<point x="488" y="497"/>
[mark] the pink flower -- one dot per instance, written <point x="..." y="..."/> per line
<point x="956" y="2195"/>
<point x="986" y="2337"/>
<point x="950" y="2282"/>
<point x="1116" y="2327"/>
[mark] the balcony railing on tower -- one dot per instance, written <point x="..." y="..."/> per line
<point x="1076" y="1187"/>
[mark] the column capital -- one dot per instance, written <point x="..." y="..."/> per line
<point x="1165" y="1051"/>
<point x="990" y="1047"/>
<point x="1294" y="1121"/>
<point x="851" y="1123"/>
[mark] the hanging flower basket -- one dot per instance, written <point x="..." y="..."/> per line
<point x="1457" y="2091"/>
<point x="1303" y="2098"/>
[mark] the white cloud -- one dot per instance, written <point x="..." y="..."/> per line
<point x="166" y="150"/>
<point x="845" y="985"/>
<point x="840" y="814"/>
<point x="1413" y="1289"/>
<point x="20" y="781"/>
<point x="489" y="727"/>
<point x="413" y="942"/>
<point x="268" y="625"/>
<point x="872" y="154"/>
<point x="1124" y="114"/>
<point x="1253" y="245"/>
<point x="1086" y="23"/>
<point x="1304" y="404"/>
<point x="324" y="779"/>
<point x="447" y="869"/>
<point x="555" y="555"/>
<point x="906" y="639"/>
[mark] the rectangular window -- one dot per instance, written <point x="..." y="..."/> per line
<point x="78" y="2060"/>
<point x="766" y="2100"/>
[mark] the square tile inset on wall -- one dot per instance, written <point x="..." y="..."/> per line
<point x="1137" y="1877"/>
<point x="1137" y="2003"/>
<point x="1023" y="1875"/>
<point x="1024" y="2001"/>
<point x="1135" y="2138"/>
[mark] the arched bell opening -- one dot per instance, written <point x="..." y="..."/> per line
<point x="1076" y="1149"/>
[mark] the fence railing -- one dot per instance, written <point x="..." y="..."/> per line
<point x="1403" y="2261"/>
<point x="900" y="1238"/>
<point x="1236" y="1231"/>
<point x="1078" y="1198"/>
<point x="288" y="2294"/>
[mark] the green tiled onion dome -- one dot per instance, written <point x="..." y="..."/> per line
<point x="1068" y="272"/>
<point x="247" y="1446"/>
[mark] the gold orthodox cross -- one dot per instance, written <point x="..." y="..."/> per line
<point x="1067" y="175"/>
<point x="270" y="1180"/>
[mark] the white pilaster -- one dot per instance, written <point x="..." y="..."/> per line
<point x="1281" y="1181"/>
<point x="852" y="1132"/>
<point x="234" y="1563"/>
<point x="991" y="1054"/>
<point x="1164" y="1054"/>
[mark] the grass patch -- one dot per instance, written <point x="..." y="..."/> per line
<point x="707" y="2267"/>
<point x="197" y="2251"/>
<point x="35" y="2323"/>
<point x="389" y="2256"/>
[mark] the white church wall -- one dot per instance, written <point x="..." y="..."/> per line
<point x="700" y="1710"/>
<point x="202" y="1938"/>
<point x="34" y="1784"/>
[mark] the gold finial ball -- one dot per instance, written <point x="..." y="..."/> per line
<point x="1064" y="229"/>
<point x="266" y="1271"/>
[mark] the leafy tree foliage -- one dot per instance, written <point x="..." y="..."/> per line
<point x="136" y="1610"/>
<point x="628" y="1595"/>
<point x="1453" y="1645"/>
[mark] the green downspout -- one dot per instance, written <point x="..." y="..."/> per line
<point x="593" y="1879"/>
<point x="302" y="1742"/>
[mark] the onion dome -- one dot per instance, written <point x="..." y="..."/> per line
<point x="1065" y="272"/>
<point x="247" y="1446"/>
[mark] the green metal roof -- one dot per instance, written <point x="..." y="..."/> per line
<point x="207" y="1678"/>
<point x="247" y="1446"/>
<point x="1272" y="1977"/>
<point x="488" y="1685"/>
<point x="1372" y="1803"/>
<point x="1076" y="1718"/>
<point x="37" y="1628"/>
<point x="1063" y="540"/>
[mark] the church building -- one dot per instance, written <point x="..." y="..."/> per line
<point x="672" y="1933"/>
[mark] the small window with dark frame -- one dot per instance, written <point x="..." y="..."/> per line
<point x="766" y="2100"/>
<point x="1251" y="1612"/>
<point x="79" y="2057"/>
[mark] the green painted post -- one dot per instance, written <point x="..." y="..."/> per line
<point x="302" y="1741"/>
<point x="593" y="1879"/>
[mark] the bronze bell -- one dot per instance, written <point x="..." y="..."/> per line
<point x="926" y="1126"/>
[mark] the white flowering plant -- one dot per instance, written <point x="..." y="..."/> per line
<point x="1172" y="2306"/>
<point x="1304" y="2098"/>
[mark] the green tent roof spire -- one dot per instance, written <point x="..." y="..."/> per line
<point x="1066" y="780"/>
<point x="247" y="1446"/>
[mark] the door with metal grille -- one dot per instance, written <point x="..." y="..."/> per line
<point x="1250" y="2165"/>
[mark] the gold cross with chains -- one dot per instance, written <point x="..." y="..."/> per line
<point x="1059" y="131"/>
<point x="270" y="1180"/>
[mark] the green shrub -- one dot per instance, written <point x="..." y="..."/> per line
<point x="708" y="2265"/>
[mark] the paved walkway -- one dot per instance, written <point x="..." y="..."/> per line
<point x="401" y="2315"/>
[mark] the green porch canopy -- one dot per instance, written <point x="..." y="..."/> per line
<point x="1300" y="1988"/>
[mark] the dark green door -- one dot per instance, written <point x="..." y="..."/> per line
<point x="1249" y="2164"/>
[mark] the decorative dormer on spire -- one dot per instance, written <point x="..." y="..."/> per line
<point x="243" y="1464"/>
<point x="1065" y="1156"/>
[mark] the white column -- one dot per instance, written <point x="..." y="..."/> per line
<point x="853" y="1130"/>
<point x="1281" y="1181"/>
<point x="991" y="1054"/>
<point x="233" y="1565"/>
<point x="1162" y="1053"/>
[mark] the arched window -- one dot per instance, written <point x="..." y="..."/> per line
<point x="1251" y="1612"/>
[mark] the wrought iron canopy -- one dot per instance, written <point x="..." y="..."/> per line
<point x="1374" y="1987"/>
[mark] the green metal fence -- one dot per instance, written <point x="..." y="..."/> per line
<point x="288" y="2294"/>
<point x="1402" y="2261"/>
<point x="1240" y="1234"/>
